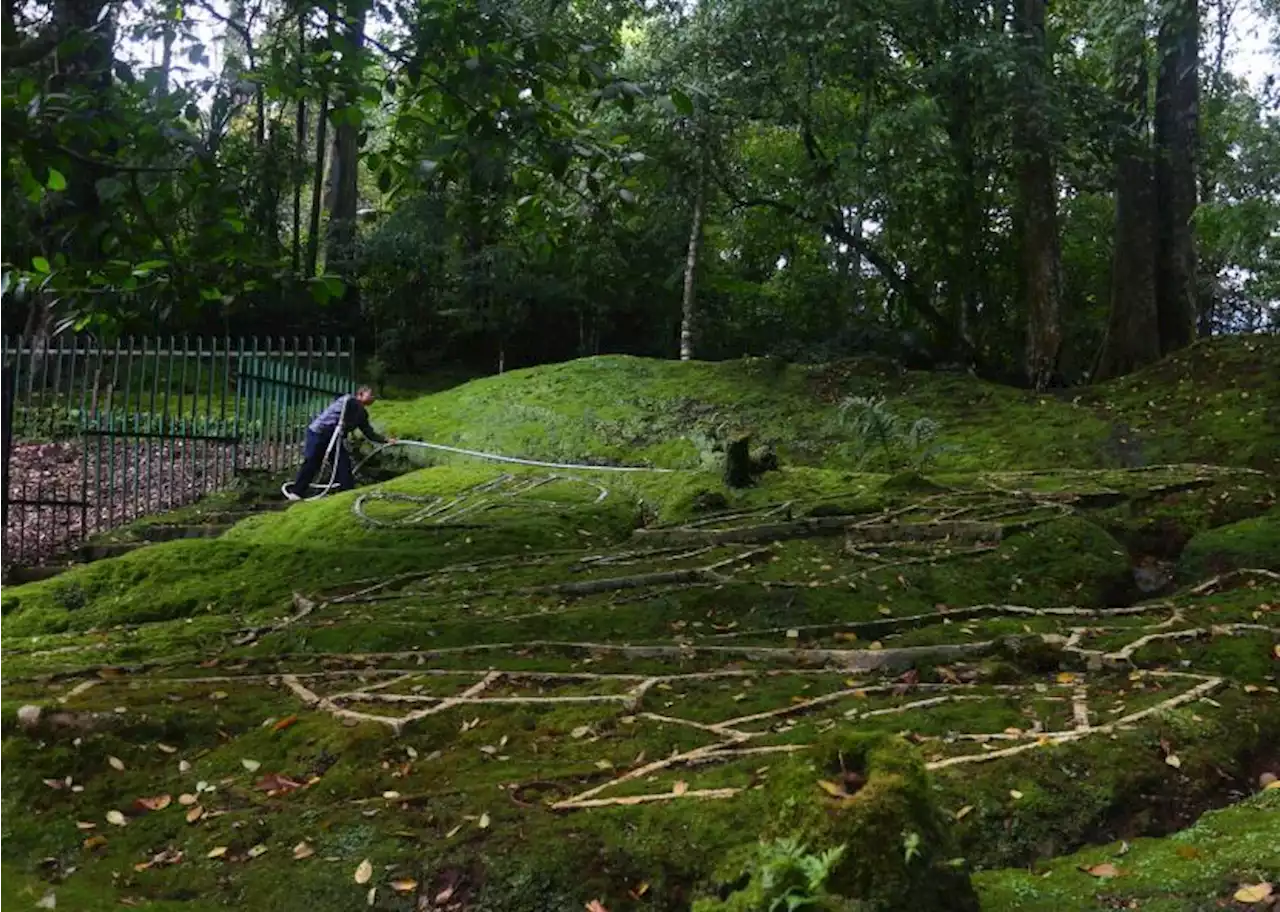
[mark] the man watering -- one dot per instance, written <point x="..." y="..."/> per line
<point x="326" y="436"/>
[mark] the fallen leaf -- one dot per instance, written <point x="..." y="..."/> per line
<point x="218" y="695"/>
<point x="1254" y="893"/>
<point x="364" y="872"/>
<point x="1066" y="677"/>
<point x="85" y="825"/>
<point x="391" y="795"/>
<point x="604" y="764"/>
<point x="195" y="814"/>
<point x="960" y="814"/>
<point x="453" y="832"/>
<point x="1103" y="870"/>
<point x="217" y="852"/>
<point x="186" y="800"/>
<point x="257" y="850"/>
<point x="793" y="634"/>
<point x="158" y="803"/>
<point x="250" y="765"/>
<point x="1173" y="761"/>
<point x="1275" y="783"/>
<point x="274" y="782"/>
<point x="54" y="783"/>
<point x="484" y="821"/>
<point x="1187" y="852"/>
<point x="1015" y="794"/>
<point x="1251" y="688"/>
<point x="303" y="850"/>
<point x="408" y="885"/>
<point x="284" y="723"/>
<point x="596" y="906"/>
<point x="371" y="897"/>
<point x="48" y="901"/>
<point x="833" y="789"/>
<point x="680" y="788"/>
<point x="116" y="763"/>
<point x="95" y="841"/>
<point x="184" y="766"/>
<point x="581" y="731"/>
<point x="165" y="748"/>
<point x="116" y="818"/>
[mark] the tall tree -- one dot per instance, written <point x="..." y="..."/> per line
<point x="1132" y="336"/>
<point x="1038" y="203"/>
<point x="1176" y="126"/>
<point x="344" y="161"/>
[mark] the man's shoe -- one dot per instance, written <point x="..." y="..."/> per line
<point x="287" y="491"/>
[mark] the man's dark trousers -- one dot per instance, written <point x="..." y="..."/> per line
<point x="313" y="451"/>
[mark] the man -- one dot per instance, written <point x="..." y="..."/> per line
<point x="352" y="413"/>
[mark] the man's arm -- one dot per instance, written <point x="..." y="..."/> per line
<point x="358" y="415"/>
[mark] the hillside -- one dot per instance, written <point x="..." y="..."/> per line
<point x="1215" y="402"/>
<point x="505" y="690"/>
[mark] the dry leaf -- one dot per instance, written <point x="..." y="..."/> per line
<point x="1251" y="688"/>
<point x="54" y="783"/>
<point x="640" y="889"/>
<point x="1066" y="677"/>
<point x="186" y="800"/>
<point x="165" y="748"/>
<point x="1103" y="870"/>
<point x="596" y="906"/>
<point x="1173" y="761"/>
<point x="680" y="788"/>
<point x="408" y="885"/>
<point x="793" y="634"/>
<point x="391" y="796"/>
<point x="158" y="803"/>
<point x="48" y="901"/>
<point x="604" y="764"/>
<point x="195" y="814"/>
<point x="257" y="850"/>
<point x="365" y="872"/>
<point x="274" y="782"/>
<point x="1187" y="852"/>
<point x="184" y="766"/>
<point x="1274" y="783"/>
<point x="372" y="896"/>
<point x="116" y="818"/>
<point x="453" y="832"/>
<point x="116" y="763"/>
<point x="217" y="852"/>
<point x="960" y="814"/>
<point x="250" y="765"/>
<point x="284" y="723"/>
<point x="85" y="825"/>
<point x="1015" y="794"/>
<point x="484" y="821"/>
<point x="1254" y="893"/>
<point x="581" y="731"/>
<point x="833" y="789"/>
<point x="303" y="850"/>
<point x="94" y="842"/>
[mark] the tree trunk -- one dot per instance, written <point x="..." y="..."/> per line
<point x="1177" y="122"/>
<point x="344" y="164"/>
<point x="299" y="152"/>
<point x="317" y="185"/>
<point x="1041" y="253"/>
<point x="1132" y="337"/>
<point x="687" y="307"/>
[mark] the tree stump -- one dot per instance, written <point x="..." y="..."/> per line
<point x="737" y="463"/>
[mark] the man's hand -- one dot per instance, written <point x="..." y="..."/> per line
<point x="392" y="441"/>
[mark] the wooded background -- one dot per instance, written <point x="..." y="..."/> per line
<point x="1048" y="195"/>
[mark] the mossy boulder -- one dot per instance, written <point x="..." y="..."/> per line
<point x="870" y="793"/>
<point x="1250" y="543"/>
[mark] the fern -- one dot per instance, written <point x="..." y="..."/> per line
<point x="893" y="439"/>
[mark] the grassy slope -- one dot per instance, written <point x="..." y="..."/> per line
<point x="188" y="596"/>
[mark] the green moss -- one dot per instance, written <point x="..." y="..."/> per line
<point x="1198" y="868"/>
<point x="1249" y="543"/>
<point x="897" y="846"/>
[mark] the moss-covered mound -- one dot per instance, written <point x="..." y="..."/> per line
<point x="471" y="688"/>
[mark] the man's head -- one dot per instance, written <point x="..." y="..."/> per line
<point x="364" y="395"/>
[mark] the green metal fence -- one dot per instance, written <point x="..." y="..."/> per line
<point x="98" y="435"/>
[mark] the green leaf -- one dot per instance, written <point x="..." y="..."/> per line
<point x="319" y="290"/>
<point x="40" y="264"/>
<point x="335" y="286"/>
<point x="56" y="180"/>
<point x="109" y="188"/>
<point x="384" y="180"/>
<point x="683" y="103"/>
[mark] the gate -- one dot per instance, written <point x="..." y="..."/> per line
<point x="96" y="436"/>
